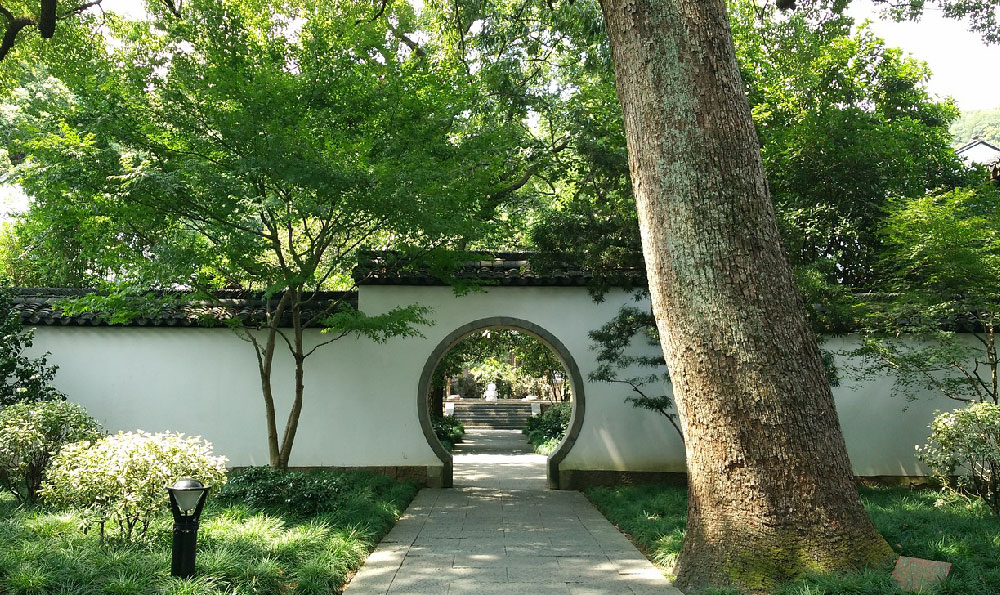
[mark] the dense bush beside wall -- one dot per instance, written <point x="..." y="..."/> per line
<point x="547" y="430"/>
<point x="121" y="478"/>
<point x="342" y="495"/>
<point x="963" y="452"/>
<point x="448" y="430"/>
<point x="30" y="434"/>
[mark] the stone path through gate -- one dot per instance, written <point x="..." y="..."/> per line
<point x="499" y="530"/>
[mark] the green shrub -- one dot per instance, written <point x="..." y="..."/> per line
<point x="305" y="493"/>
<point x="547" y="430"/>
<point x="30" y="433"/>
<point x="963" y="452"/>
<point x="121" y="478"/>
<point x="323" y="493"/>
<point x="547" y="447"/>
<point x="448" y="430"/>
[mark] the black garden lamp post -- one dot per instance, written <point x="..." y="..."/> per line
<point x="187" y="498"/>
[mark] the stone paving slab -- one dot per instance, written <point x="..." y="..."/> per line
<point x="501" y="532"/>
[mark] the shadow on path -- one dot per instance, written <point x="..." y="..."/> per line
<point x="499" y="459"/>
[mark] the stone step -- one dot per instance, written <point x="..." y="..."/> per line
<point x="493" y="413"/>
<point x="498" y="415"/>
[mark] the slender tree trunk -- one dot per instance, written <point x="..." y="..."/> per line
<point x="298" y="355"/>
<point x="771" y="493"/>
<point x="265" y="363"/>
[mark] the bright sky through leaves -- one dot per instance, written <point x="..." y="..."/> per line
<point x="957" y="57"/>
<point x="961" y="63"/>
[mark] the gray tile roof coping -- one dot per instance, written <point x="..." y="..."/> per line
<point x="42" y="306"/>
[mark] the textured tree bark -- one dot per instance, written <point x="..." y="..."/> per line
<point x="771" y="493"/>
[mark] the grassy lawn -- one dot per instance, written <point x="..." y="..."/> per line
<point x="967" y="536"/>
<point x="264" y="533"/>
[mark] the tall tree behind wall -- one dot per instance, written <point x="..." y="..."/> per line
<point x="984" y="124"/>
<point x="845" y="123"/>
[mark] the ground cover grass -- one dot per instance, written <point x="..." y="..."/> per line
<point x="917" y="523"/>
<point x="265" y="533"/>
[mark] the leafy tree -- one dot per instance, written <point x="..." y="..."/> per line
<point x="821" y="96"/>
<point x="22" y="378"/>
<point x="260" y="146"/>
<point x="613" y="342"/>
<point x="982" y="123"/>
<point x="937" y="329"/>
<point x="845" y="123"/>
<point x="981" y="15"/>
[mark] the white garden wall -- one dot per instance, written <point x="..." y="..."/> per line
<point x="361" y="400"/>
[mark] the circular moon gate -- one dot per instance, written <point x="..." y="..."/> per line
<point x="550" y="341"/>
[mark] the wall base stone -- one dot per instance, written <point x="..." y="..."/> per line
<point x="579" y="479"/>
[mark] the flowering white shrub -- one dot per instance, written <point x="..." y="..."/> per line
<point x="122" y="478"/>
<point x="29" y="435"/>
<point x="963" y="451"/>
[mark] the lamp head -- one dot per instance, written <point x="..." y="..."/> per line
<point x="187" y="494"/>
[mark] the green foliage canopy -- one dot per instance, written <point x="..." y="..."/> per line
<point x="519" y="363"/>
<point x="845" y="122"/>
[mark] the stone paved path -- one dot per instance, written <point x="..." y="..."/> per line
<point x="500" y="531"/>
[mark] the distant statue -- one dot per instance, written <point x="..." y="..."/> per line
<point x="491" y="392"/>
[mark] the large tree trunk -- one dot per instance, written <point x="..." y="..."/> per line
<point x="771" y="494"/>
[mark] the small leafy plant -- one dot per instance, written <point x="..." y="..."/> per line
<point x="30" y="433"/>
<point x="547" y="430"/>
<point x="22" y="378"/>
<point x="121" y="478"/>
<point x="963" y="452"/>
<point x="448" y="430"/>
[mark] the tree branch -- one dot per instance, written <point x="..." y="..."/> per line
<point x="382" y="5"/>
<point x="175" y="9"/>
<point x="78" y="9"/>
<point x="14" y="27"/>
<point x="494" y="199"/>
<point x="403" y="37"/>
